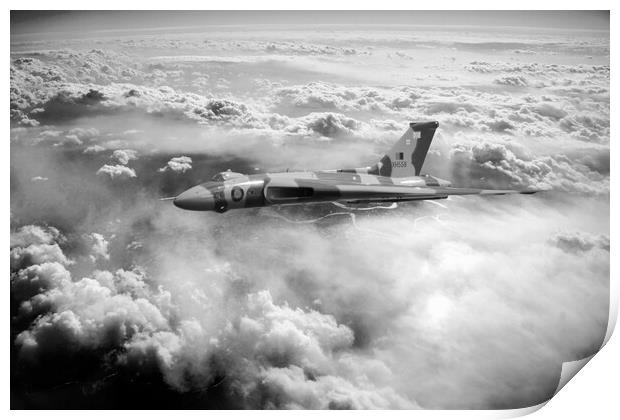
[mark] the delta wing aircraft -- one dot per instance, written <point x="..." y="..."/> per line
<point x="395" y="178"/>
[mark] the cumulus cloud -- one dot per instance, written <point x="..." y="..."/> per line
<point x="72" y="100"/>
<point x="99" y="247"/>
<point x="37" y="254"/>
<point x="33" y="234"/>
<point x="512" y="81"/>
<point x="319" y="95"/>
<point x="36" y="279"/>
<point x="69" y="139"/>
<point x="108" y="309"/>
<point x="84" y="134"/>
<point x="267" y="338"/>
<point x="34" y="245"/>
<point x="124" y="156"/>
<point x="538" y="69"/>
<point x="73" y="137"/>
<point x="309" y="49"/>
<point x="87" y="315"/>
<point x="178" y="164"/>
<point x="523" y="115"/>
<point x="497" y="164"/>
<point x="91" y="150"/>
<point x="323" y="124"/>
<point x="116" y="172"/>
<point x="576" y="242"/>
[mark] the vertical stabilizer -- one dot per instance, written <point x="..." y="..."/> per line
<point x="407" y="156"/>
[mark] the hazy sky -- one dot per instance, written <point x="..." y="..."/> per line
<point x="72" y="21"/>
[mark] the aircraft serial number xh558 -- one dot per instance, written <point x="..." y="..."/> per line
<point x="395" y="178"/>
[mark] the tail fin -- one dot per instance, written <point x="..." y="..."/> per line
<point x="407" y="156"/>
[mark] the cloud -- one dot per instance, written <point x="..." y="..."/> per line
<point x="99" y="247"/>
<point x="178" y="164"/>
<point x="73" y="137"/>
<point x="32" y="234"/>
<point x="124" y="156"/>
<point x="538" y="69"/>
<point x="548" y="110"/>
<point x="324" y="124"/>
<point x="299" y="366"/>
<point x="308" y="49"/>
<point x="499" y="165"/>
<point x="91" y="150"/>
<point x="88" y="313"/>
<point x="576" y="242"/>
<point x="321" y="96"/>
<point x="291" y="388"/>
<point x="36" y="279"/>
<point x="282" y="335"/>
<point x="72" y="100"/>
<point x="116" y="172"/>
<point x="70" y="139"/>
<point x="36" y="254"/>
<point x="106" y="321"/>
<point x="34" y="79"/>
<point x="512" y="81"/>
<point x="266" y="335"/>
<point x="112" y="309"/>
<point x="84" y="134"/>
<point x="522" y="115"/>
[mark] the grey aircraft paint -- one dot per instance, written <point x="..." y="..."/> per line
<point x="395" y="178"/>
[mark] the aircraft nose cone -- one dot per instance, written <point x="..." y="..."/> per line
<point x="196" y="198"/>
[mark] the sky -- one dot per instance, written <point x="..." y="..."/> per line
<point x="120" y="300"/>
<point x="87" y="21"/>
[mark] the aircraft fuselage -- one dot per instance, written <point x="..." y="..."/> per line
<point x="286" y="188"/>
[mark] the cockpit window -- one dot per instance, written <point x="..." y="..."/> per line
<point x="287" y="193"/>
<point x="225" y="176"/>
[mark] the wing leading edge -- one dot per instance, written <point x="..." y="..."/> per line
<point x="436" y="194"/>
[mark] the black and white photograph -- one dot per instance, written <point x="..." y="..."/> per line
<point x="308" y="209"/>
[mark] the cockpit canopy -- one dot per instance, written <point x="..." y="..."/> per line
<point x="225" y="176"/>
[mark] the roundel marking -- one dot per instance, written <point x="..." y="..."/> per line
<point x="237" y="194"/>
